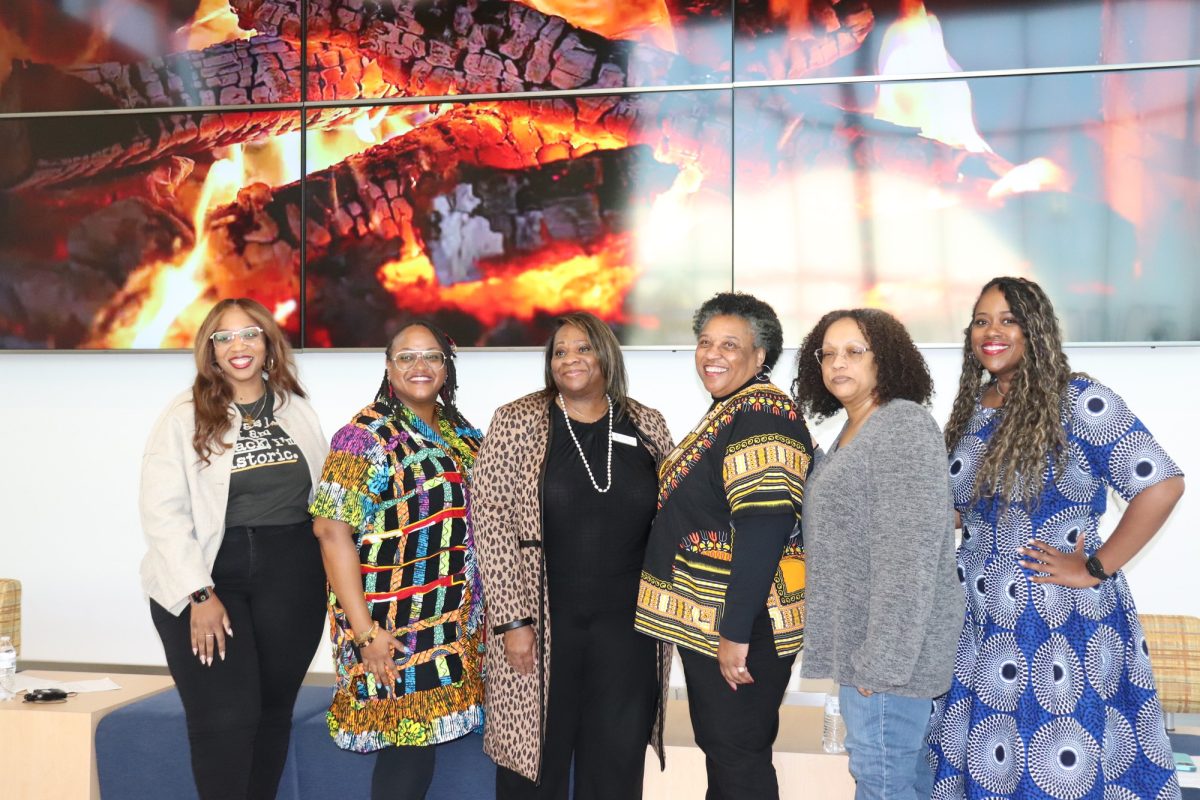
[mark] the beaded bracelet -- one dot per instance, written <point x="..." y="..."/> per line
<point x="368" y="637"/>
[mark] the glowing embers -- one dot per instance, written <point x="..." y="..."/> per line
<point x="561" y="279"/>
<point x="639" y="20"/>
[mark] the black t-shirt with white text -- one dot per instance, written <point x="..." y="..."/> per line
<point x="270" y="481"/>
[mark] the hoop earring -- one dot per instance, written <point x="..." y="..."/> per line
<point x="763" y="374"/>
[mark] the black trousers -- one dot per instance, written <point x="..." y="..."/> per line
<point x="603" y="694"/>
<point x="737" y="729"/>
<point x="239" y="711"/>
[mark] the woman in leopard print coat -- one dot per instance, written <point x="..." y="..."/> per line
<point x="550" y="534"/>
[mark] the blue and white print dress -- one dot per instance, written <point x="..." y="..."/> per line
<point x="1052" y="694"/>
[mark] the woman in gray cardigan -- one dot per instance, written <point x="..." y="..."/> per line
<point x="884" y="605"/>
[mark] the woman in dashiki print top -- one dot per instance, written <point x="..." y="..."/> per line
<point x="406" y="603"/>
<point x="724" y="571"/>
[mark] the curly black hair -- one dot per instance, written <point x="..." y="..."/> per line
<point x="763" y="321"/>
<point x="901" y="371"/>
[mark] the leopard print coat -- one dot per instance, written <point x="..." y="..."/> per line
<point x="507" y="521"/>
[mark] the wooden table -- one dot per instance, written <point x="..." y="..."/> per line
<point x="47" y="750"/>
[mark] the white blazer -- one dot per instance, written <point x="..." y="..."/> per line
<point x="182" y="501"/>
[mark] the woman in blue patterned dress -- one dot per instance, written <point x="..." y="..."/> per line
<point x="1052" y="694"/>
<point x="392" y="514"/>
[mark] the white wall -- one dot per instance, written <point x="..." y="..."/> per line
<point x="72" y="427"/>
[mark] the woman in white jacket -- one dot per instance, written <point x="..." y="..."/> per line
<point x="232" y="570"/>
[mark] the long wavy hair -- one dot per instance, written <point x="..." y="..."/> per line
<point x="212" y="394"/>
<point x="1031" y="427"/>
<point x="608" y="353"/>
<point x="449" y="390"/>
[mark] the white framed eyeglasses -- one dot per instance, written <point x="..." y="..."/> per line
<point x="247" y="335"/>
<point x="853" y="355"/>
<point x="407" y="359"/>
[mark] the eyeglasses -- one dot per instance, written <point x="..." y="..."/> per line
<point x="247" y="335"/>
<point x="407" y="359"/>
<point x="853" y="355"/>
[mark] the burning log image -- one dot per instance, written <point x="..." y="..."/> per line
<point x="903" y="194"/>
<point x="494" y="189"/>
<point x="315" y="155"/>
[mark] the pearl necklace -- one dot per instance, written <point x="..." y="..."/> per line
<point x="562" y="403"/>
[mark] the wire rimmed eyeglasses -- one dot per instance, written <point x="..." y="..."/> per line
<point x="249" y="334"/>
<point x="405" y="360"/>
<point x="853" y="355"/>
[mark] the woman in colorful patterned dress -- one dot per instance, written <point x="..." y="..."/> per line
<point x="406" y="604"/>
<point x="724" y="571"/>
<point x="1052" y="694"/>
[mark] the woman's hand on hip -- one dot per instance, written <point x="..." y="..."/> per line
<point x="731" y="658"/>
<point x="210" y="626"/>
<point x="1066" y="568"/>
<point x="519" y="645"/>
<point x="379" y="656"/>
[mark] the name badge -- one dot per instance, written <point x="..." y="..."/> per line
<point x="623" y="439"/>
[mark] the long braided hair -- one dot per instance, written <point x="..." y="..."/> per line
<point x="449" y="388"/>
<point x="1030" y="428"/>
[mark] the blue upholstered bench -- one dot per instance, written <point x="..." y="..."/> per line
<point x="1187" y="743"/>
<point x="142" y="751"/>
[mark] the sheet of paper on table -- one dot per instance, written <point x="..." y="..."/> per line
<point x="23" y="683"/>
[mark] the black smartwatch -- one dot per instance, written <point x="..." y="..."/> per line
<point x="1096" y="569"/>
<point x="201" y="595"/>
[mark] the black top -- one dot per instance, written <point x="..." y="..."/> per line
<point x="728" y="526"/>
<point x="595" y="543"/>
<point x="270" y="481"/>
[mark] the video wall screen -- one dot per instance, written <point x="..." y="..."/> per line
<point x="492" y="164"/>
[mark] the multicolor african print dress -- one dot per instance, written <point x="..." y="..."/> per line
<point x="1052" y="694"/>
<point x="403" y="488"/>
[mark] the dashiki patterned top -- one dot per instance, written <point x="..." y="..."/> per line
<point x="749" y="455"/>
<point x="403" y="487"/>
<point x="1052" y="695"/>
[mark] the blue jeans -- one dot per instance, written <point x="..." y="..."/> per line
<point x="887" y="736"/>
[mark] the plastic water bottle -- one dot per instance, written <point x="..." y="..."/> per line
<point x="8" y="667"/>
<point x="833" y="731"/>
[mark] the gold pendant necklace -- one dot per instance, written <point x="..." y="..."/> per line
<point x="248" y="417"/>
